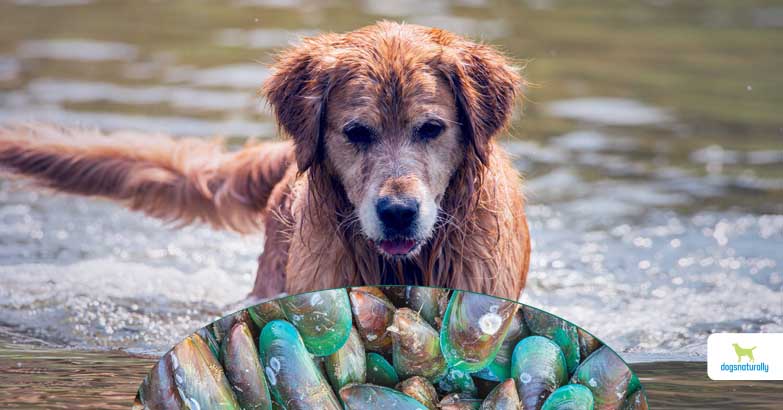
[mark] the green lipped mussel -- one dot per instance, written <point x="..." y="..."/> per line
<point x="368" y="396"/>
<point x="420" y="389"/>
<point x="474" y="327"/>
<point x="380" y="371"/>
<point x="243" y="369"/>
<point x="347" y="365"/>
<point x="561" y="332"/>
<point x="503" y="397"/>
<point x="607" y="376"/>
<point x="570" y="397"/>
<point x="372" y="315"/>
<point x="294" y="379"/>
<point x="199" y="377"/>
<point x="416" y="347"/>
<point x="538" y="368"/>
<point x="322" y="318"/>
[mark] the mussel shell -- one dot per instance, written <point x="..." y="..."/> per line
<point x="607" y="376"/>
<point x="460" y="401"/>
<point x="266" y="312"/>
<point x="243" y="369"/>
<point x="570" y="397"/>
<point x="416" y="347"/>
<point x="322" y="318"/>
<point x="373" y="290"/>
<point x="429" y="302"/>
<point x="561" y="332"/>
<point x="420" y="389"/>
<point x="294" y="379"/>
<point x="372" y="315"/>
<point x="158" y="391"/>
<point x="500" y="368"/>
<point x="474" y="327"/>
<point x="199" y="377"/>
<point x="368" y="396"/>
<point x="587" y="343"/>
<point x="209" y="337"/>
<point x="221" y="326"/>
<point x="538" y="368"/>
<point x="503" y="397"/>
<point x="457" y="381"/>
<point x="636" y="401"/>
<point x="347" y="365"/>
<point x="380" y="371"/>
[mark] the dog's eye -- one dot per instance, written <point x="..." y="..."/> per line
<point x="358" y="134"/>
<point x="429" y="130"/>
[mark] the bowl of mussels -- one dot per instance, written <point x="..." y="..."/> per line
<point x="391" y="347"/>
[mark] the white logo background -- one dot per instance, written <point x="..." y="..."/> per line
<point x="768" y="351"/>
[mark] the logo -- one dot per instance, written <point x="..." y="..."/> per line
<point x="745" y="356"/>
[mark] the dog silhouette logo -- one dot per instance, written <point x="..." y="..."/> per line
<point x="744" y="352"/>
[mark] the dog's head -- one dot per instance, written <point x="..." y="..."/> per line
<point x="391" y="111"/>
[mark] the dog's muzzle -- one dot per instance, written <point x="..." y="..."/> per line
<point x="399" y="217"/>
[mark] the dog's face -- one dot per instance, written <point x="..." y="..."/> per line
<point x="394" y="158"/>
<point x="391" y="112"/>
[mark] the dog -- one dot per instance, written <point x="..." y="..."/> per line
<point x="391" y="174"/>
<point x="744" y="352"/>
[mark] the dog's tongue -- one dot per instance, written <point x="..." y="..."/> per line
<point x="398" y="247"/>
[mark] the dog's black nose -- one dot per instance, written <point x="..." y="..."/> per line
<point x="397" y="214"/>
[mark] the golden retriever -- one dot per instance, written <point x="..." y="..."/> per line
<point x="392" y="175"/>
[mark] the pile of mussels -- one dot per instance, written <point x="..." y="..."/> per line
<point x="391" y="348"/>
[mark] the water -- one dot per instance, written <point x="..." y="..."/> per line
<point x="651" y="142"/>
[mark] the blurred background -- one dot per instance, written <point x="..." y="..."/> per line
<point x="651" y="142"/>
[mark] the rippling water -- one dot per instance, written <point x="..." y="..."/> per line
<point x="651" y="141"/>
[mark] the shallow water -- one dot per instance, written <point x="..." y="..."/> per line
<point x="651" y="141"/>
<point x="53" y="378"/>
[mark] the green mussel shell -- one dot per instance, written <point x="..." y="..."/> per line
<point x="221" y="326"/>
<point x="538" y="368"/>
<point x="607" y="376"/>
<point x="199" y="377"/>
<point x="322" y="318"/>
<point x="294" y="379"/>
<point x="420" y="389"/>
<point x="347" y="365"/>
<point x="460" y="401"/>
<point x="636" y="401"/>
<point x="587" y="344"/>
<point x="457" y="381"/>
<point x="416" y="347"/>
<point x="503" y="397"/>
<point x="570" y="397"/>
<point x="243" y="369"/>
<point x="561" y="332"/>
<point x="158" y="390"/>
<point x="372" y="315"/>
<point x="209" y="337"/>
<point x="368" y="396"/>
<point x="474" y="327"/>
<point x="500" y="368"/>
<point x="430" y="303"/>
<point x="380" y="371"/>
<point x="265" y="313"/>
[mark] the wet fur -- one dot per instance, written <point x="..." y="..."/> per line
<point x="292" y="189"/>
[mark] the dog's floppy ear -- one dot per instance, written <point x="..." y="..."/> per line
<point x="485" y="86"/>
<point x="297" y="90"/>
